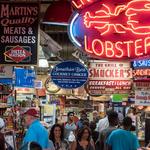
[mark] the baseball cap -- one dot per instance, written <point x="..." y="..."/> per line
<point x="32" y="112"/>
<point x="2" y="123"/>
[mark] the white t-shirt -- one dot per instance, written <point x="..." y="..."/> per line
<point x="102" y="124"/>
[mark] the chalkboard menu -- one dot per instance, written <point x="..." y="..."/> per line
<point x="19" y="33"/>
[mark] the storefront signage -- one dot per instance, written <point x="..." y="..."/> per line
<point x="142" y="98"/>
<point x="19" y="33"/>
<point x="38" y="84"/>
<point x="137" y="64"/>
<point x="24" y="77"/>
<point x="111" y="29"/>
<point x="109" y="77"/>
<point x="69" y="74"/>
<point x="6" y="71"/>
<point x="142" y="84"/>
<point x="141" y="72"/>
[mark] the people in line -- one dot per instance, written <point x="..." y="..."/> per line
<point x="123" y="139"/>
<point x="70" y="126"/>
<point x="57" y="137"/>
<point x="103" y="135"/>
<point x="83" y="140"/>
<point x="36" y="131"/>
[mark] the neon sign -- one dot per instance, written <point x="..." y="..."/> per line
<point x="141" y="63"/>
<point x="106" y="30"/>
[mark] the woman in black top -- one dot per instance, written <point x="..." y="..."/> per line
<point x="83" y="141"/>
<point x="57" y="136"/>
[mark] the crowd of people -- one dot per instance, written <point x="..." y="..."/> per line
<point x="109" y="133"/>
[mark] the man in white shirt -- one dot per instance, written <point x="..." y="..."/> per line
<point x="103" y="123"/>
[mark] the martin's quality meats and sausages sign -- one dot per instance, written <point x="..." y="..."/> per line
<point x="109" y="77"/>
<point x="19" y="33"/>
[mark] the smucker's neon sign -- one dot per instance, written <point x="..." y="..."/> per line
<point x="106" y="30"/>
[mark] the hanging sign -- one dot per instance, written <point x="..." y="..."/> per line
<point x="19" y="33"/>
<point x="109" y="77"/>
<point x="24" y="77"/>
<point x="140" y="64"/>
<point x="111" y="29"/>
<point x="142" y="97"/>
<point x="69" y="75"/>
<point x="142" y="84"/>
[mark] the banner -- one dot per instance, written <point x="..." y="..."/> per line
<point x="19" y="33"/>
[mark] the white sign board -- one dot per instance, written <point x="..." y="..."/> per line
<point x="142" y="98"/>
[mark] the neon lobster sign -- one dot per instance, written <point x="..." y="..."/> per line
<point x="105" y="29"/>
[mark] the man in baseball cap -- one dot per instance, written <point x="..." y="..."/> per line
<point x="36" y="131"/>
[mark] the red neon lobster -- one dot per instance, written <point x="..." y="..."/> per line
<point x="136" y="16"/>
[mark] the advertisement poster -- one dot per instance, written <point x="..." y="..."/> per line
<point x="19" y="33"/>
<point x="109" y="77"/>
<point x="142" y="98"/>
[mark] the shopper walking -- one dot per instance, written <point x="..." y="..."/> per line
<point x="70" y="126"/>
<point x="103" y="135"/>
<point x="36" y="131"/>
<point x="57" y="137"/>
<point x="103" y="123"/>
<point x="123" y="139"/>
<point x="83" y="141"/>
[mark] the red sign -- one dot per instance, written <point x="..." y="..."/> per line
<point x="141" y="72"/>
<point x="17" y="54"/>
<point x="142" y="84"/>
<point x="109" y="77"/>
<point x="112" y="29"/>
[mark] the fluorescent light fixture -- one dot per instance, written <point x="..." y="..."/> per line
<point x="55" y="23"/>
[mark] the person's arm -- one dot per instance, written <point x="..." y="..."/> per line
<point x="74" y="145"/>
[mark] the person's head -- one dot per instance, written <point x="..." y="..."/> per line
<point x="127" y="123"/>
<point x="84" y="133"/>
<point x="86" y="122"/>
<point x="31" y="146"/>
<point x="108" y="111"/>
<point x="113" y="118"/>
<point x="70" y="116"/>
<point x="30" y="115"/>
<point x="83" y="116"/>
<point x="57" y="131"/>
<point x="95" y="114"/>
